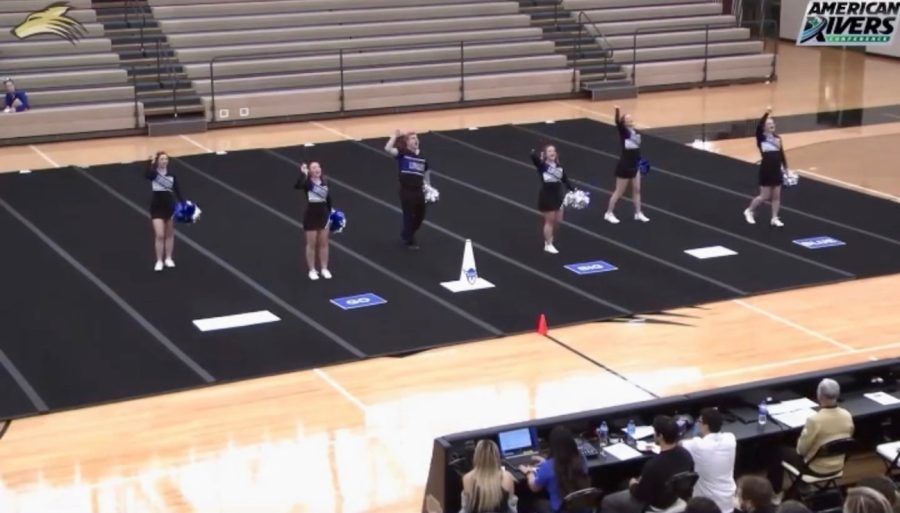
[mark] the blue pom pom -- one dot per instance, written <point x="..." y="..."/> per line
<point x="644" y="166"/>
<point x="337" y="221"/>
<point x="186" y="212"/>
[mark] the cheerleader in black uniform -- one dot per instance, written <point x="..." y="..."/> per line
<point x="315" y="219"/>
<point x="627" y="169"/>
<point x="414" y="175"/>
<point x="550" y="199"/>
<point x="770" y="169"/>
<point x="162" y="207"/>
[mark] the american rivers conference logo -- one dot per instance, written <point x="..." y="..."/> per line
<point x="849" y="23"/>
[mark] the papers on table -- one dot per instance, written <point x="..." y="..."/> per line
<point x="621" y="452"/>
<point x="882" y="398"/>
<point x="794" y="419"/>
<point x="789" y="406"/>
<point x="641" y="432"/>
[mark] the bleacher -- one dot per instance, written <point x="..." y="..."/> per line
<point x="664" y="43"/>
<point x="345" y="55"/>
<point x="72" y="88"/>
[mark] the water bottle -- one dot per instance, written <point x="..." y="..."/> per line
<point x="763" y="413"/>
<point x="603" y="434"/>
<point x="630" y="431"/>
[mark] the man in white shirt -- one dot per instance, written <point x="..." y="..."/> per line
<point x="713" y="453"/>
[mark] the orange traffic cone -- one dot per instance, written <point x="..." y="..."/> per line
<point x="542" y="325"/>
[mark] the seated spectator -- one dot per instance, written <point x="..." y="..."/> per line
<point x="14" y="101"/>
<point x="884" y="486"/>
<point x="488" y="487"/>
<point x="828" y="424"/>
<point x="865" y="500"/>
<point x="650" y="488"/>
<point x="701" y="505"/>
<point x="754" y="495"/>
<point x="792" y="507"/>
<point x="564" y="472"/>
<point x="713" y="453"/>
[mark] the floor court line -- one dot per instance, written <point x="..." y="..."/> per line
<point x="195" y="143"/>
<point x="334" y="131"/>
<point x="477" y="245"/>
<point x="792" y="324"/>
<point x="387" y="272"/>
<point x="590" y="233"/>
<point x="340" y="389"/>
<point x="670" y="213"/>
<point x="852" y="186"/>
<point x="334" y="337"/>
<point x="110" y="293"/>
<point x="44" y="156"/>
<point x="23" y="383"/>
<point x="713" y="186"/>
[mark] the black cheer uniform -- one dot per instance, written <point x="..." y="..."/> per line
<point x="165" y="193"/>
<point x="318" y="203"/>
<point x="773" y="159"/>
<point x="412" y="194"/>
<point x="631" y="149"/>
<point x="550" y="198"/>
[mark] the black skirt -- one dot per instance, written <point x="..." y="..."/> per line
<point x="162" y="205"/>
<point x="770" y="174"/>
<point x="550" y="199"/>
<point x="628" y="164"/>
<point x="316" y="217"/>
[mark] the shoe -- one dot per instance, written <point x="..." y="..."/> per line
<point x="325" y="274"/>
<point x="776" y="222"/>
<point x="549" y="248"/>
<point x="159" y="266"/>
<point x="609" y="216"/>
<point x="639" y="216"/>
<point x="170" y="263"/>
<point x="313" y="275"/>
<point x="748" y="216"/>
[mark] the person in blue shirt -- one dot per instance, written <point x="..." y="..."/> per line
<point x="564" y="472"/>
<point x="414" y="176"/>
<point x="14" y="101"/>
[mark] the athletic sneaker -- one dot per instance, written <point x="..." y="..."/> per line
<point x="639" y="216"/>
<point x="313" y="275"/>
<point x="776" y="222"/>
<point x="748" y="216"/>
<point x="170" y="263"/>
<point x="609" y="216"/>
<point x="326" y="274"/>
<point x="549" y="248"/>
<point x="159" y="266"/>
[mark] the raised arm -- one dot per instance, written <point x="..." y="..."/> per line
<point x="620" y="124"/>
<point x="537" y="159"/>
<point x="390" y="146"/>
<point x="150" y="173"/>
<point x="761" y="126"/>
<point x="301" y="180"/>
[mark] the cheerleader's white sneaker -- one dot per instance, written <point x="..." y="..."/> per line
<point x="610" y="217"/>
<point x="325" y="274"/>
<point x="159" y="266"/>
<point x="313" y="275"/>
<point x="170" y="263"/>
<point x="748" y="216"/>
<point x="641" y="217"/>
<point x="549" y="248"/>
<point x="776" y="222"/>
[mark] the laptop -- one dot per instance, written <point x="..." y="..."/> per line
<point x="517" y="446"/>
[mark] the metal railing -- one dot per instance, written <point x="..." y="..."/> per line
<point x="762" y="24"/>
<point x="583" y="21"/>
<point x="343" y="67"/>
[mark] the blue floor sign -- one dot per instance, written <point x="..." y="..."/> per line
<point x="597" y="266"/>
<point x="819" y="242"/>
<point x="358" y="301"/>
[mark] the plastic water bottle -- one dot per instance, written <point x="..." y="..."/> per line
<point x="603" y="434"/>
<point x="763" y="413"/>
<point x="630" y="429"/>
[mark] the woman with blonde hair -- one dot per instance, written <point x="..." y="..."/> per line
<point x="488" y="488"/>
<point x="866" y="500"/>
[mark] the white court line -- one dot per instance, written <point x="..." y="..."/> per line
<point x="195" y="143"/>
<point x="332" y="130"/>
<point x="852" y="186"/>
<point x="794" y="325"/>
<point x="806" y="359"/>
<point x="44" y="155"/>
<point x="341" y="390"/>
<point x="888" y="114"/>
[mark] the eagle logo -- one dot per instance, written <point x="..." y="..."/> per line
<point x="51" y="20"/>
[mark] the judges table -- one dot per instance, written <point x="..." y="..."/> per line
<point x="452" y="454"/>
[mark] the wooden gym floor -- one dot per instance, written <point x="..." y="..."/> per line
<point x="356" y="437"/>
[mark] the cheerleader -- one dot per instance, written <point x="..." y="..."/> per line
<point x="770" y="169"/>
<point x="162" y="208"/>
<point x="414" y="175"/>
<point x="627" y="169"/>
<point x="550" y="198"/>
<point x="315" y="219"/>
